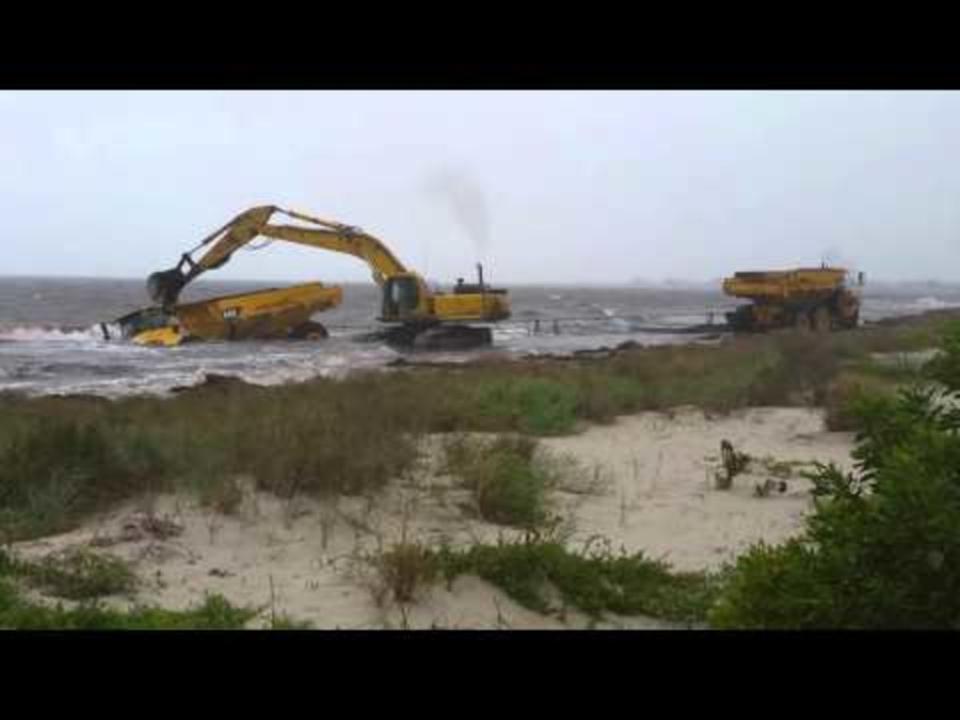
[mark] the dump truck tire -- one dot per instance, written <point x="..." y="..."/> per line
<point x="822" y="320"/>
<point x="309" y="330"/>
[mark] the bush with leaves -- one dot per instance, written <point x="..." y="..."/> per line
<point x="882" y="548"/>
<point x="596" y="579"/>
<point x="508" y="478"/>
<point x="945" y="366"/>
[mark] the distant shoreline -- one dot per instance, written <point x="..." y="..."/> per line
<point x="871" y="287"/>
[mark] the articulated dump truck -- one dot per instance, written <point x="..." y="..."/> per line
<point x="820" y="299"/>
<point x="275" y="313"/>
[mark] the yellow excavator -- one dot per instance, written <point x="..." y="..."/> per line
<point x="418" y="316"/>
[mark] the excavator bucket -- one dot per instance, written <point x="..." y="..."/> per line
<point x="164" y="286"/>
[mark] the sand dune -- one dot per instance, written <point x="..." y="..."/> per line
<point x="305" y="558"/>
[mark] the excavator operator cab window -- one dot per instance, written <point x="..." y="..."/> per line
<point x="400" y="297"/>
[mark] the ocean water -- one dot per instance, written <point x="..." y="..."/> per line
<point x="50" y="341"/>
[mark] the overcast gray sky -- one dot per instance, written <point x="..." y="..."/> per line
<point x="542" y="186"/>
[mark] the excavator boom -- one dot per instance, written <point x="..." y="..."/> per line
<point x="165" y="286"/>
<point x="350" y="241"/>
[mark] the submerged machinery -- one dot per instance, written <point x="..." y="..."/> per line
<point x="276" y="313"/>
<point x="417" y="315"/>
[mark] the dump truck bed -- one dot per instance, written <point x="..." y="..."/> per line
<point x="263" y="314"/>
<point x="785" y="285"/>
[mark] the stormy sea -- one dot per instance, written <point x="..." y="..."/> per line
<point x="51" y="341"/>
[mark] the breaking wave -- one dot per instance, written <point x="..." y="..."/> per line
<point x="933" y="303"/>
<point x="33" y="333"/>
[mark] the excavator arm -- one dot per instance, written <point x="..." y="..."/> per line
<point x="338" y="237"/>
<point x="165" y="286"/>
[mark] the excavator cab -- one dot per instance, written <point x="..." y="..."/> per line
<point x="401" y="298"/>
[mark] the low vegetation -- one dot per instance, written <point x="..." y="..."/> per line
<point x="595" y="580"/>
<point x="55" y="468"/>
<point x="88" y="580"/>
<point x="542" y="574"/>
<point x="882" y="548"/>
<point x="402" y="572"/>
<point x="215" y="613"/>
<point x="879" y="550"/>
<point x="222" y="493"/>
<point x="62" y="459"/>
<point x="80" y="574"/>
<point x="508" y="476"/>
<point x="945" y="366"/>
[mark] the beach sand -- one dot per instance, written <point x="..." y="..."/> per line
<point x="647" y="485"/>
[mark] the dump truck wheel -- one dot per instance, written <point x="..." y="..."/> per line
<point x="822" y="319"/>
<point x="741" y="319"/>
<point x="309" y="331"/>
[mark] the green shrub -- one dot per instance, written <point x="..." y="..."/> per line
<point x="215" y="613"/>
<point x="285" y="622"/>
<point x="772" y="587"/>
<point x="507" y="478"/>
<point x="532" y="405"/>
<point x="85" y="577"/>
<point x="509" y="490"/>
<point x="81" y="575"/>
<point x="945" y="366"/>
<point x="595" y="581"/>
<point x="403" y="571"/>
<point x="882" y="547"/>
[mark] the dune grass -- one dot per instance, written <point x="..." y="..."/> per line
<point x="62" y="459"/>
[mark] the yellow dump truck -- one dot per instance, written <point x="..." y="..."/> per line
<point x="263" y="314"/>
<point x="821" y="299"/>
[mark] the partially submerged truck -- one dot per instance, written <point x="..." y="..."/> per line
<point x="275" y="313"/>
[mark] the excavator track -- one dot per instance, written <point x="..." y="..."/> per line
<point x="436" y="337"/>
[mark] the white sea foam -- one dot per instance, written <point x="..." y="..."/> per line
<point x="41" y="334"/>
<point x="933" y="303"/>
